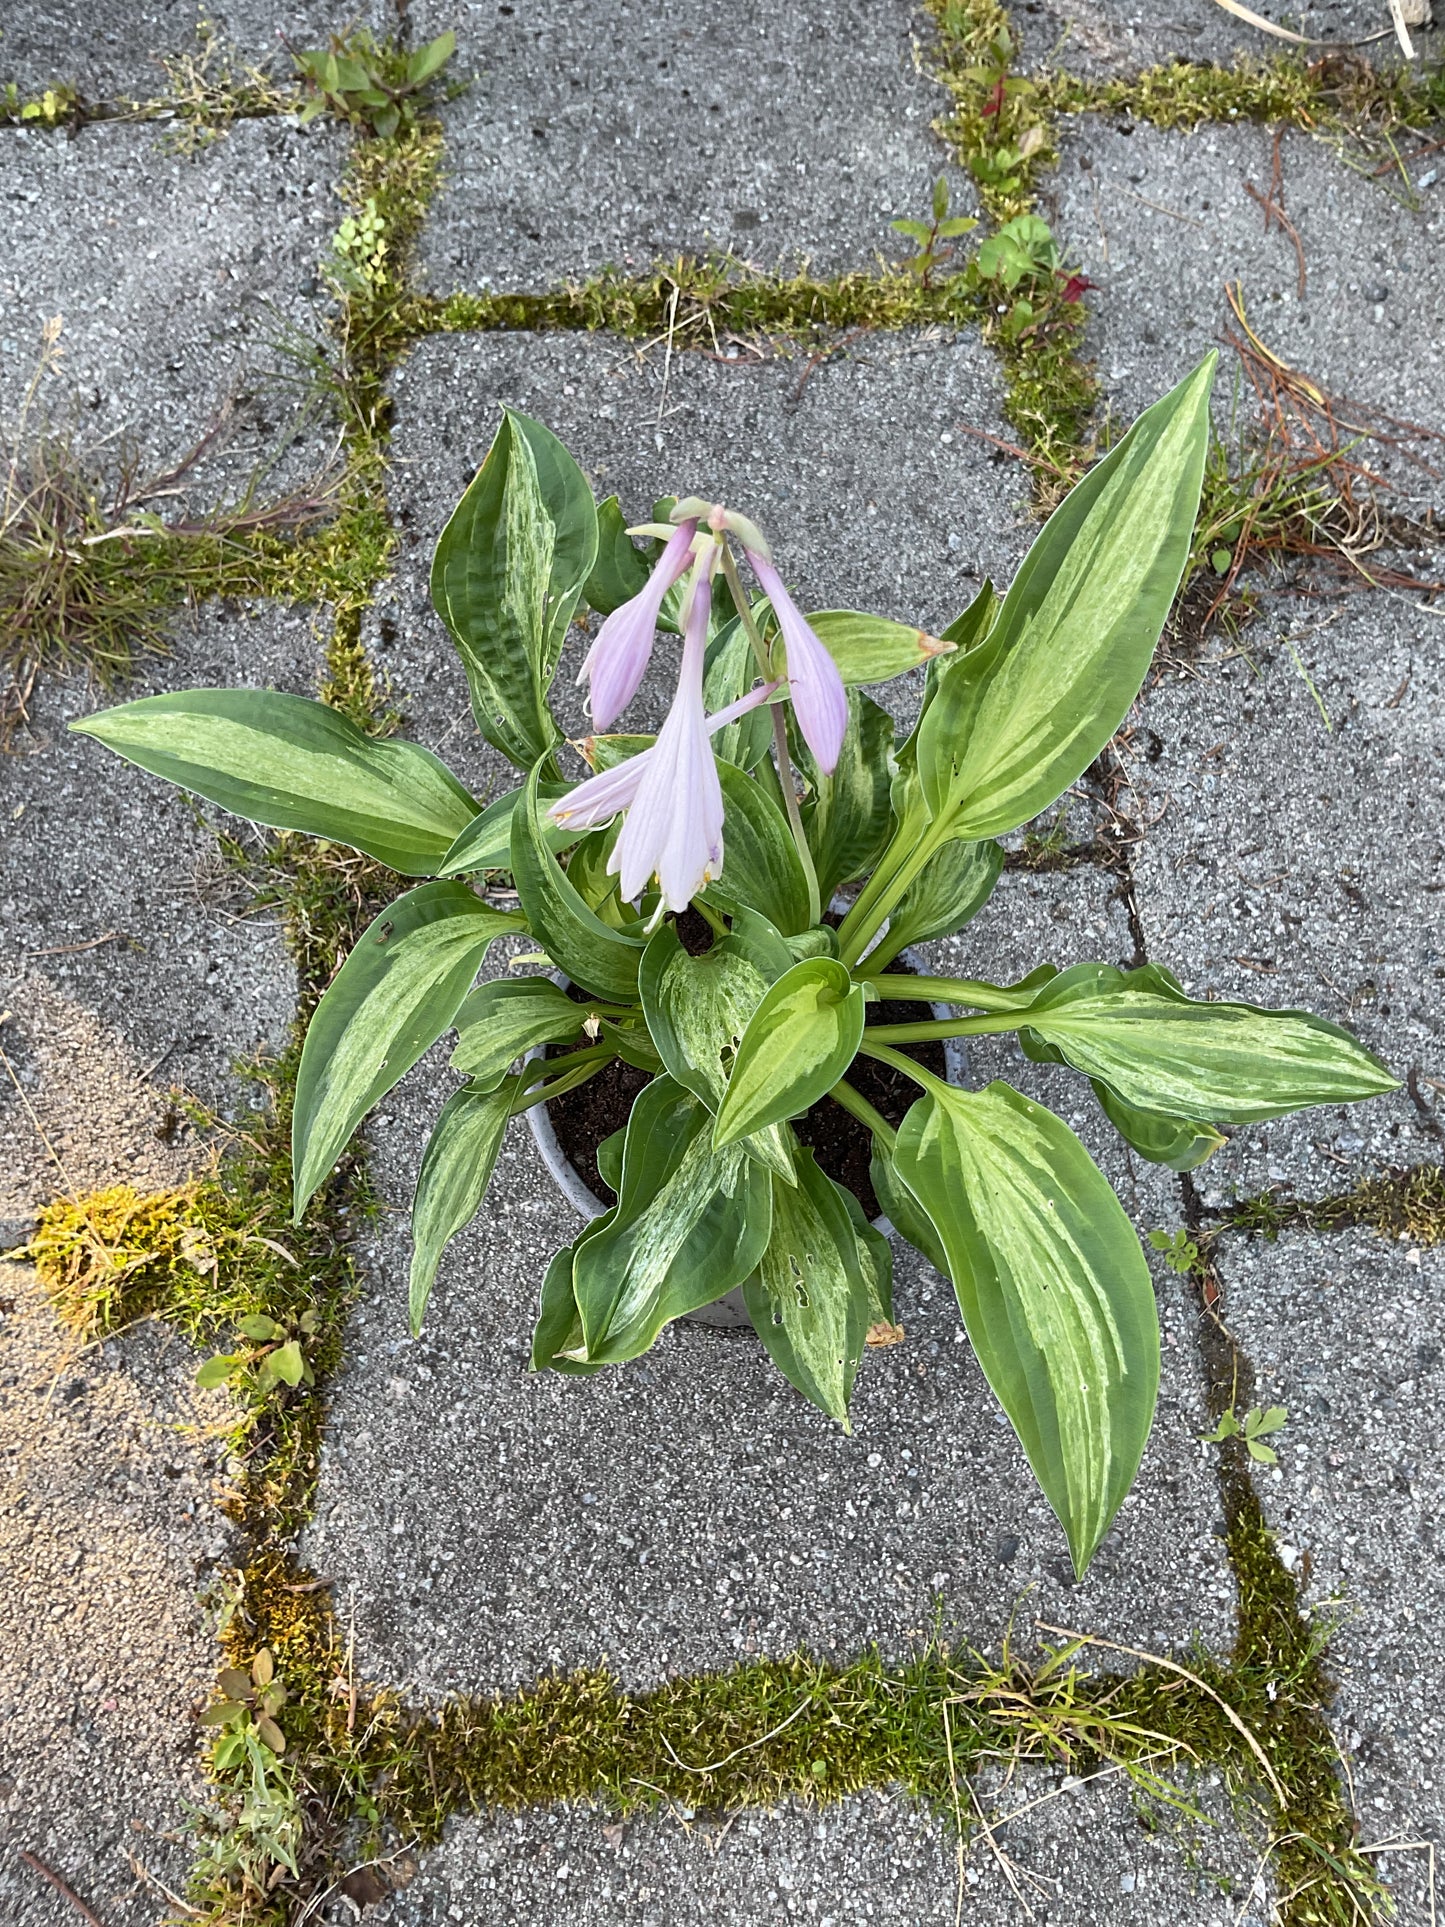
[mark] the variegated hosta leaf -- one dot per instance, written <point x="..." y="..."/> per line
<point x="456" y="1168"/>
<point x="761" y="869"/>
<point x="506" y="578"/>
<point x="813" y="1295"/>
<point x="295" y="764"/>
<point x="1182" y="1143"/>
<point x="1013" y="722"/>
<point x="868" y="648"/>
<point x="948" y="892"/>
<point x="557" y="1337"/>
<point x="1157" y="1050"/>
<point x="390" y="1001"/>
<point x="1053" y="1286"/>
<point x="697" y="1009"/>
<point x="602" y="960"/>
<point x="500" y="1022"/>
<point x="486" y="842"/>
<point x="690" y="1224"/>
<point x="800" y="1040"/>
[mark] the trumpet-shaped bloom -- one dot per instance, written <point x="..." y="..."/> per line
<point x="600" y="798"/>
<point x="820" y="701"/>
<point x="618" y="659"/>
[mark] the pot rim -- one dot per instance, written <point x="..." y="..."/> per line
<point x="586" y="1202"/>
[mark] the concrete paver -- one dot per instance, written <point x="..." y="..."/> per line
<point x="1103" y="37"/>
<point x="178" y="281"/>
<point x="1300" y="866"/>
<point x="785" y="133"/>
<point x="1162" y="221"/>
<point x="1348" y="1333"/>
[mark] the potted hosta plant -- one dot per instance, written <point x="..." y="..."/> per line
<point x="678" y="892"/>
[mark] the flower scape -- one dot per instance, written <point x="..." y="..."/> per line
<point x="774" y="789"/>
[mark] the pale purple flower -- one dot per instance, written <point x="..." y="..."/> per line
<point x="820" y="701"/>
<point x="673" y="830"/>
<point x="617" y="661"/>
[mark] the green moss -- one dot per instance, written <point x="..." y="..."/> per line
<point x="1400" y="1204"/>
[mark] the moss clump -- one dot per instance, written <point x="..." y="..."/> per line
<point x="1400" y="1204"/>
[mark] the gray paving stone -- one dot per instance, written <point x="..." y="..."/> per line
<point x="784" y="132"/>
<point x="1302" y="867"/>
<point x="1080" y="1856"/>
<point x="1099" y="37"/>
<point x="189" y="983"/>
<point x="114" y="50"/>
<point x="872" y="495"/>
<point x="107" y="1534"/>
<point x="1161" y="221"/>
<point x="483" y="1525"/>
<point x="1348" y="1332"/>
<point x="177" y="280"/>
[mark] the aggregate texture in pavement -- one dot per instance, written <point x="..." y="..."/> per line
<point x="483" y="1524"/>
<point x="783" y="131"/>
<point x="181" y="281"/>
<point x="1347" y="1332"/>
<point x="1162" y="222"/>
<point x="1297" y="859"/>
<point x="1102" y="38"/>
<point x="858" y="471"/>
<point x="185" y="980"/>
<point x="108" y="1533"/>
<point x="117" y="52"/>
<point x="1084" y="1852"/>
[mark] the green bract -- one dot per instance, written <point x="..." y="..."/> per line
<point x="753" y="1008"/>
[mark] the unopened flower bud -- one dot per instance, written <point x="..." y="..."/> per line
<point x="748" y="533"/>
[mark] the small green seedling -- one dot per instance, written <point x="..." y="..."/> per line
<point x="934" y="237"/>
<point x="1023" y="249"/>
<point x="369" y="85"/>
<point x="274" y="1356"/>
<point x="1259" y="1422"/>
<point x="248" y="1710"/>
<point x="1177" y="1248"/>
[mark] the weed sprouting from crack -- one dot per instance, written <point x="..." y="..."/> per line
<point x="1407" y="1203"/>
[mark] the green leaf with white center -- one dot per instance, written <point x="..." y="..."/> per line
<point x="867" y="648"/>
<point x="456" y="1168"/>
<point x="602" y="960"/>
<point x="799" y="1041"/>
<point x="1157" y="1050"/>
<point x="761" y="869"/>
<point x="1053" y="1287"/>
<point x="390" y="1001"/>
<point x="508" y="573"/>
<point x="690" y="1224"/>
<point x="697" y="1009"/>
<point x="294" y="764"/>
<point x="500" y="1022"/>
<point x="558" y="1332"/>
<point x="811" y="1299"/>
<point x="848" y="815"/>
<point x="486" y="842"/>
<point x="1016" y="720"/>
<point x="949" y="891"/>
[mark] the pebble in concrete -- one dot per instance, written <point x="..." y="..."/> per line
<point x="178" y="281"/>
<point x="1348" y="1333"/>
<point x="785" y="133"/>
<point x="1297" y="862"/>
<point x="483" y="1525"/>
<point x="1162" y="221"/>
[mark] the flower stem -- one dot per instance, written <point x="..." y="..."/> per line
<point x="780" y="735"/>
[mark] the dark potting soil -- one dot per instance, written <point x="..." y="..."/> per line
<point x="842" y="1146"/>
